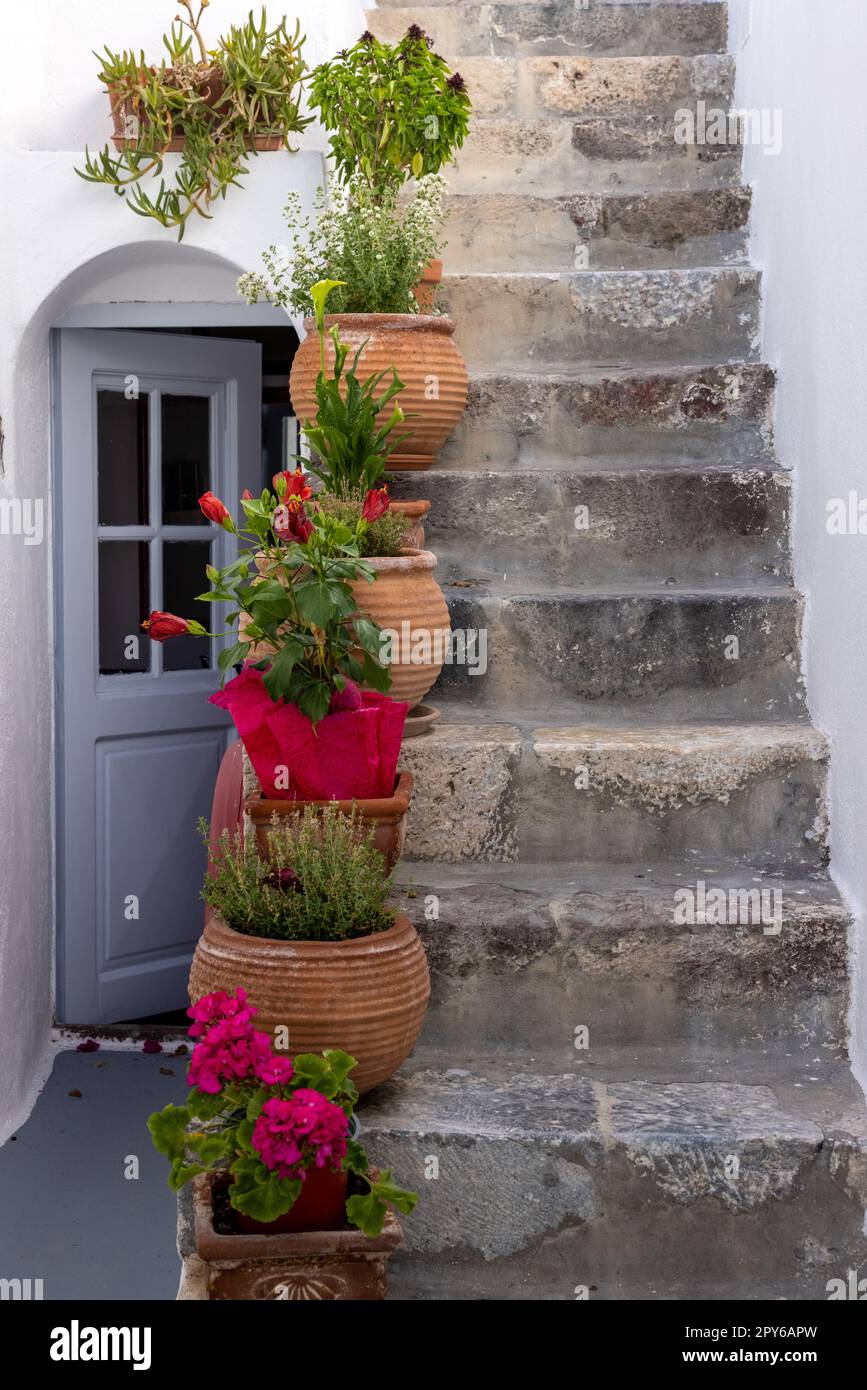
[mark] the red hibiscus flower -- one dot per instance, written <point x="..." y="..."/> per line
<point x="291" y="522"/>
<point x="297" y="484"/>
<point x="376" y="504"/>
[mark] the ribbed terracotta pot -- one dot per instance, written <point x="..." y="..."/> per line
<point x="385" y="816"/>
<point x="406" y="600"/>
<point x="422" y="348"/>
<point x="416" y="513"/>
<point x="367" y="996"/>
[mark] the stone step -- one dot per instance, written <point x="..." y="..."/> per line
<point x="705" y="653"/>
<point x="609" y="318"/>
<point x="566" y="88"/>
<point x="650" y="525"/>
<point x="659" y="955"/>
<point x="635" y="153"/>
<point x="596" y="231"/>
<point x="561" y="28"/>
<point x="721" y="414"/>
<point x="557" y="1187"/>
<point x="498" y="793"/>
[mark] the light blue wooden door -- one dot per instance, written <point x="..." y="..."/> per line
<point x="145" y="423"/>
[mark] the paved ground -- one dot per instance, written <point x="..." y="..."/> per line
<point x="68" y="1215"/>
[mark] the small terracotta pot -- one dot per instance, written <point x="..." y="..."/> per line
<point x="337" y="1265"/>
<point x="416" y="513"/>
<point x="406" y="600"/>
<point x="426" y="289"/>
<point x="422" y="349"/>
<point x="210" y="87"/>
<point x="384" y="815"/>
<point x="319" y="1206"/>
<point x="367" y="996"/>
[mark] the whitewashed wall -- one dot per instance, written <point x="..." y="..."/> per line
<point x="809" y="238"/>
<point x="64" y="242"/>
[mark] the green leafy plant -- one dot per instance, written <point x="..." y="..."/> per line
<point x="264" y="1121"/>
<point x="376" y="250"/>
<point x="394" y="111"/>
<point x="322" y="880"/>
<point x="384" y="537"/>
<point x="220" y="101"/>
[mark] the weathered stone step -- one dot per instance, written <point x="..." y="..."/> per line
<point x="717" y="414"/>
<point x="564" y="88"/>
<point x="712" y="653"/>
<point x="638" y="955"/>
<point x="634" y="152"/>
<point x="746" y="793"/>
<point x="595" y="231"/>
<point x="564" y="1187"/>
<point x="560" y="27"/>
<point x="606" y="318"/>
<point x="604" y="527"/>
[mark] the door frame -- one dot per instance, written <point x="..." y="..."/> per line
<point x="122" y="317"/>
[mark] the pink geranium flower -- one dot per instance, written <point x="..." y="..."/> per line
<point x="290" y="1135"/>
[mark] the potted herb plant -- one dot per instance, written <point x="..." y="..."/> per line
<point x="350" y="452"/>
<point x="286" y="1203"/>
<point x="395" y="113"/>
<point x="214" y="106"/>
<point x="306" y="928"/>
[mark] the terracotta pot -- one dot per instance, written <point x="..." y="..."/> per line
<point x="422" y="348"/>
<point x="211" y="87"/>
<point x="320" y="1206"/>
<point x="384" y="815"/>
<point x="416" y="513"/>
<point x="406" y="600"/>
<point x="367" y="996"/>
<point x="336" y="1265"/>
<point x="425" y="290"/>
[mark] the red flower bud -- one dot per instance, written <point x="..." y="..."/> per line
<point x="161" y="626"/>
<point x="246" y="495"/>
<point x="376" y="504"/>
<point x="214" y="510"/>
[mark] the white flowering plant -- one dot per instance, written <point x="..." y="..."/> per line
<point x="379" y="247"/>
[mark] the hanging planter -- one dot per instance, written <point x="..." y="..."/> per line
<point x="213" y="106"/>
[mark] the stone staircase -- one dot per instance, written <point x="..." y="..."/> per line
<point x="616" y="1097"/>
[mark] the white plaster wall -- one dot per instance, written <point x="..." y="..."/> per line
<point x="64" y="242"/>
<point x="809" y="238"/>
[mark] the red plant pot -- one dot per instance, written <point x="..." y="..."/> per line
<point x="320" y="1206"/>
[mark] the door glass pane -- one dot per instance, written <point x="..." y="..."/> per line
<point x="124" y="604"/>
<point x="186" y="435"/>
<point x="279" y="439"/>
<point x="183" y="578"/>
<point x="122" y="458"/>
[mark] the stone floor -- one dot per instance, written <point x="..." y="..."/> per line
<point x="68" y="1215"/>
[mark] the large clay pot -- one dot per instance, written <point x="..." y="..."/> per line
<point x="406" y="600"/>
<point x="421" y="347"/>
<point x="385" y="816"/>
<point x="367" y="996"/>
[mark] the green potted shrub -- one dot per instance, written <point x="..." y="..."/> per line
<point x="286" y="1204"/>
<point x="299" y="916"/>
<point x="215" y="106"/>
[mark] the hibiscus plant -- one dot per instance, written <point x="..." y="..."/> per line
<point x="290" y="594"/>
<point x="266" y="1120"/>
